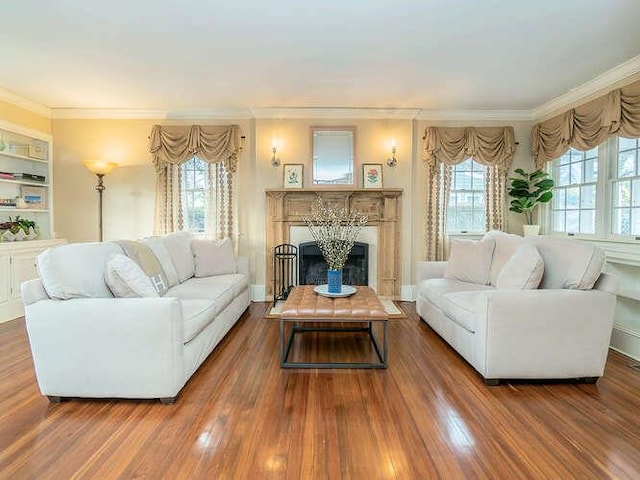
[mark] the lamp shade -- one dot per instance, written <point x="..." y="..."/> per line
<point x="99" y="167"/>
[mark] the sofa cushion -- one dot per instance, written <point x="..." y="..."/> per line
<point x="76" y="270"/>
<point x="460" y="307"/>
<point x="470" y="261"/>
<point x="126" y="279"/>
<point x="221" y="289"/>
<point x="179" y="246"/>
<point x="434" y="288"/>
<point x="523" y="271"/>
<point x="142" y="254"/>
<point x="568" y="263"/>
<point x="196" y="315"/>
<point x="213" y="257"/>
<point x="506" y="246"/>
<point x="157" y="246"/>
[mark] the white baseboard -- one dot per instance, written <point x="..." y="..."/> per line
<point x="408" y="293"/>
<point x="258" y="293"/>
<point x="626" y="341"/>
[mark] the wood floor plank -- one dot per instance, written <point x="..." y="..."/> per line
<point x="429" y="415"/>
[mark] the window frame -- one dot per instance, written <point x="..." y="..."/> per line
<point x="475" y="165"/>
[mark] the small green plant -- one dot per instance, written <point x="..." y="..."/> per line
<point x="528" y="191"/>
<point x="15" y="224"/>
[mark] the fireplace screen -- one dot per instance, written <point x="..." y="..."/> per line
<point x="313" y="268"/>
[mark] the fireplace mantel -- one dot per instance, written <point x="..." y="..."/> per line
<point x="286" y="207"/>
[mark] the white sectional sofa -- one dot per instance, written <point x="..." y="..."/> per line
<point x="87" y="343"/>
<point x="522" y="308"/>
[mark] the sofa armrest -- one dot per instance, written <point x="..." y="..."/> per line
<point x="33" y="291"/>
<point x="107" y="347"/>
<point x="430" y="270"/>
<point x="543" y="333"/>
<point x="242" y="264"/>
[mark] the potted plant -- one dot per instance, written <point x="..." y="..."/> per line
<point x="18" y="229"/>
<point x="528" y="190"/>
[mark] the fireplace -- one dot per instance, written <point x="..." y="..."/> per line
<point x="312" y="269"/>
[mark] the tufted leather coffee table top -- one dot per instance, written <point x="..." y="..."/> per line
<point x="305" y="304"/>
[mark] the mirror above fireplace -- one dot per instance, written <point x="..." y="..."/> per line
<point x="332" y="155"/>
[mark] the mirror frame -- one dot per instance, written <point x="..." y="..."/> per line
<point x="351" y="129"/>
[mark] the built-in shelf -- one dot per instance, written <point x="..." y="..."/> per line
<point x="22" y="157"/>
<point x="24" y="182"/>
<point x="19" y="210"/>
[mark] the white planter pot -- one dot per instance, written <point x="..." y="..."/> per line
<point x="531" y="230"/>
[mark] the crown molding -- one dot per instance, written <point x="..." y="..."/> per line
<point x="142" y="114"/>
<point x="335" y="113"/>
<point x="25" y="103"/>
<point x="596" y="85"/>
<point x="475" y="115"/>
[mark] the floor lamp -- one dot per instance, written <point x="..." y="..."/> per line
<point x="100" y="169"/>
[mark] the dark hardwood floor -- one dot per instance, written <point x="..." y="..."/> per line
<point x="241" y="416"/>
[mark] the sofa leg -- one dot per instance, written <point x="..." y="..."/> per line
<point x="590" y="380"/>
<point x="54" y="399"/>
<point x="492" y="382"/>
<point x="168" y="400"/>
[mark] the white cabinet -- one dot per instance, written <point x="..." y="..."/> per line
<point x="17" y="264"/>
<point x="26" y="177"/>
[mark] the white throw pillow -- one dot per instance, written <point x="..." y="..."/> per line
<point x="126" y="279"/>
<point x="523" y="271"/>
<point x="179" y="246"/>
<point x="470" y="261"/>
<point x="213" y="257"/>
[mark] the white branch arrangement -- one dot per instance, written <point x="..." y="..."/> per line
<point x="334" y="230"/>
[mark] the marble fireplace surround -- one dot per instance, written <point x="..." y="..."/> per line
<point x="286" y="207"/>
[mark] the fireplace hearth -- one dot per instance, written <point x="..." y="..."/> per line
<point x="313" y="267"/>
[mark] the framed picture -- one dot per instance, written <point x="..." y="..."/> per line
<point x="293" y="175"/>
<point x="34" y="197"/>
<point x="372" y="175"/>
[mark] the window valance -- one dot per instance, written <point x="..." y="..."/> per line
<point x="490" y="146"/>
<point x="213" y="144"/>
<point x="588" y="125"/>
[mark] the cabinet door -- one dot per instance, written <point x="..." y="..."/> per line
<point x="23" y="268"/>
<point x="5" y="278"/>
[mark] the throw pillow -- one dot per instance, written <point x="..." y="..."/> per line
<point x="148" y="262"/>
<point x="126" y="279"/>
<point x="523" y="271"/>
<point x="470" y="261"/>
<point x="179" y="246"/>
<point x="213" y="257"/>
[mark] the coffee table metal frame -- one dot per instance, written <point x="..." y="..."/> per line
<point x="285" y="346"/>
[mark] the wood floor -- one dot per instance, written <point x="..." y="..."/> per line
<point x="241" y="416"/>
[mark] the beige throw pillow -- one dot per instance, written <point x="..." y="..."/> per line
<point x="126" y="279"/>
<point x="213" y="257"/>
<point x="523" y="271"/>
<point x="470" y="261"/>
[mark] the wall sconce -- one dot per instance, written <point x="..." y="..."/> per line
<point x="275" y="160"/>
<point x="100" y="169"/>
<point x="392" y="161"/>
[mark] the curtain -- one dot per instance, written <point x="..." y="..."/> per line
<point x="492" y="147"/>
<point x="171" y="146"/>
<point x="588" y="125"/>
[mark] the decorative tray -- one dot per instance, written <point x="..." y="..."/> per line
<point x="324" y="291"/>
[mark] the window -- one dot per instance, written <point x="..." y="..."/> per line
<point x="467" y="208"/>
<point x="194" y="181"/>
<point x="625" y="188"/>
<point x="574" y="196"/>
<point x="597" y="192"/>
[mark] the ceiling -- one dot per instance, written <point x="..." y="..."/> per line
<point x="188" y="55"/>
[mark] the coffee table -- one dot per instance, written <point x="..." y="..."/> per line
<point x="304" y="306"/>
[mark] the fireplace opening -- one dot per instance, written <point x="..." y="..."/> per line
<point x="313" y="268"/>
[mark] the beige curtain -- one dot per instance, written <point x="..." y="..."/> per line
<point x="492" y="147"/>
<point x="171" y="146"/>
<point x="588" y="125"/>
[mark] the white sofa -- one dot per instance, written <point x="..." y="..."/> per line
<point x="87" y="343"/>
<point x="508" y="327"/>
